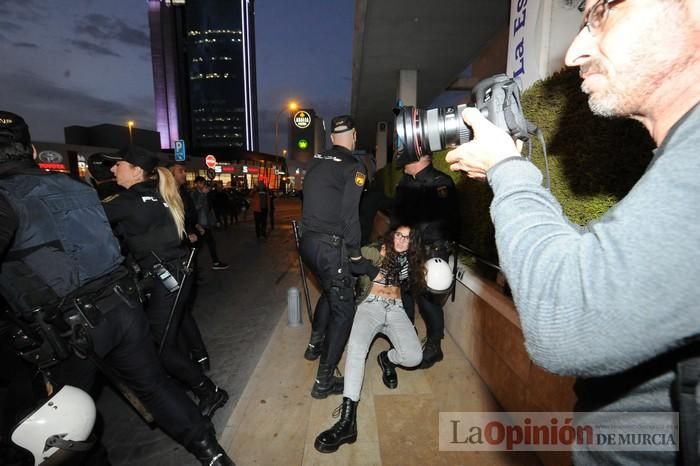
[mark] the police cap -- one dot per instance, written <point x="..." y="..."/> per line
<point x="100" y="165"/>
<point x="341" y="124"/>
<point x="138" y="156"/>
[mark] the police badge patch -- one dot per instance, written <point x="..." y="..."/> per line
<point x="359" y="179"/>
<point x="442" y="192"/>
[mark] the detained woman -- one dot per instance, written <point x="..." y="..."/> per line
<point x="150" y="218"/>
<point x="386" y="267"/>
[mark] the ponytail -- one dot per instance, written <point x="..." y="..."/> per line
<point x="169" y="192"/>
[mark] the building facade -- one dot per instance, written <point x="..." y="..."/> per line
<point x="204" y="74"/>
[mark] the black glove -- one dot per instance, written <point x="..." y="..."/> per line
<point x="363" y="266"/>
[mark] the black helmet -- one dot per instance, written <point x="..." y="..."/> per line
<point x="15" y="142"/>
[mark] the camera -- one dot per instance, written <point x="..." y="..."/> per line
<point x="422" y="132"/>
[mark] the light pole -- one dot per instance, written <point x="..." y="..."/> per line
<point x="130" y="125"/>
<point x="291" y="106"/>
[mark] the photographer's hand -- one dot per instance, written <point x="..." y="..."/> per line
<point x="489" y="146"/>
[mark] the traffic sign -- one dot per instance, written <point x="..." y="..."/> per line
<point x="210" y="161"/>
<point x="180" y="150"/>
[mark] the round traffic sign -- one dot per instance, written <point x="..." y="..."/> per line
<point x="210" y="161"/>
<point x="211" y="174"/>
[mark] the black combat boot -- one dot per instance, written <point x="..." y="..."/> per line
<point x="313" y="349"/>
<point x="388" y="370"/>
<point x="344" y="431"/>
<point x="210" y="397"/>
<point x="326" y="383"/>
<point x="432" y="353"/>
<point x="208" y="451"/>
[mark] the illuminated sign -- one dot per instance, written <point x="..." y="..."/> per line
<point x="50" y="156"/>
<point x="302" y="119"/>
<point x="303" y="143"/>
<point x="210" y="161"/>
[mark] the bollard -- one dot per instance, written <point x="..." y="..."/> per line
<point x="293" y="308"/>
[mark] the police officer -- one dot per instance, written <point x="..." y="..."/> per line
<point x="151" y="217"/>
<point x="426" y="200"/>
<point x="330" y="236"/>
<point x="59" y="255"/>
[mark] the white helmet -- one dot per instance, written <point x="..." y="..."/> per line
<point x="438" y="275"/>
<point x="62" y="423"/>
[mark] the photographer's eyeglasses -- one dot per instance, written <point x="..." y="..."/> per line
<point x="399" y="236"/>
<point x="594" y="18"/>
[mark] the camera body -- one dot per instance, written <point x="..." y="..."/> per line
<point x="422" y="132"/>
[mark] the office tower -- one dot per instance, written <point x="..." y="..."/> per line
<point x="204" y="74"/>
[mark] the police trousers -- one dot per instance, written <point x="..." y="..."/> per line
<point x="175" y="360"/>
<point x="378" y="314"/>
<point x="123" y="340"/>
<point x="327" y="260"/>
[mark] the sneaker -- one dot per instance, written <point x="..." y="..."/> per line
<point x="219" y="266"/>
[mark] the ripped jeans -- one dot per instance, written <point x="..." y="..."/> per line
<point x="374" y="315"/>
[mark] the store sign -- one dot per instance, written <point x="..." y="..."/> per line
<point x="210" y="161"/>
<point x="50" y="156"/>
<point x="302" y="119"/>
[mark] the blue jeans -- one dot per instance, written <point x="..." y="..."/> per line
<point x="378" y="314"/>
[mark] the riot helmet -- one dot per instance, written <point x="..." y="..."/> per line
<point x="438" y="275"/>
<point x="58" y="427"/>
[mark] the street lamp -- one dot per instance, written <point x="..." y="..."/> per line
<point x="291" y="106"/>
<point x="130" y="125"/>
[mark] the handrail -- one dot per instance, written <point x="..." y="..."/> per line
<point x="478" y="257"/>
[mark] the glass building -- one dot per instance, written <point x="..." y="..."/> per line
<point x="204" y="74"/>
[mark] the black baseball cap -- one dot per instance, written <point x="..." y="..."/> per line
<point x="13" y="129"/>
<point x="138" y="156"/>
<point x="341" y="124"/>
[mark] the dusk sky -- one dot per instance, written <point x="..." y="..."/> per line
<point x="87" y="62"/>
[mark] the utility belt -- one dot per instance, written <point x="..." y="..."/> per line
<point x="328" y="238"/>
<point x="55" y="332"/>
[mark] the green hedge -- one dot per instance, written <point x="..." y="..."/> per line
<point x="593" y="161"/>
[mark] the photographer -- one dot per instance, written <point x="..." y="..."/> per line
<point x="60" y="266"/>
<point x="150" y="214"/>
<point x="614" y="302"/>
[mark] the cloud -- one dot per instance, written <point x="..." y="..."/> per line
<point x="66" y="74"/>
<point x="104" y="28"/>
<point x="49" y="107"/>
<point x="28" y="45"/>
<point x="94" y="49"/>
<point x="8" y="26"/>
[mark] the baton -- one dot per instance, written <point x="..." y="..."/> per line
<point x="455" y="254"/>
<point x="295" y="228"/>
<point x="177" y="299"/>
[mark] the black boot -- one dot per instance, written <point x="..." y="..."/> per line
<point x="313" y="349"/>
<point x="210" y="397"/>
<point x="326" y="383"/>
<point x="208" y="451"/>
<point x="388" y="370"/>
<point x="344" y="431"/>
<point x="432" y="353"/>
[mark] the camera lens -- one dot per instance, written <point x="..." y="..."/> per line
<point x="422" y="132"/>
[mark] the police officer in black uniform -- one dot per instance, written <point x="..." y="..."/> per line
<point x="61" y="266"/>
<point x="426" y="199"/>
<point x="330" y="238"/>
<point x="151" y="217"/>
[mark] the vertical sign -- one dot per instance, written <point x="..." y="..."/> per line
<point x="180" y="150"/>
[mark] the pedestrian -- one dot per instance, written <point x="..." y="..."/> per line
<point x="398" y="260"/>
<point x="206" y="220"/>
<point x="59" y="254"/>
<point x="615" y="302"/>
<point x="151" y="217"/>
<point x="330" y="239"/>
<point x="259" y="204"/>
<point x="426" y="200"/>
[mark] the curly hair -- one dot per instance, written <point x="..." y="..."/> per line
<point x="416" y="259"/>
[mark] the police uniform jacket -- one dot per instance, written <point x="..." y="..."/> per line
<point x="146" y="224"/>
<point x="428" y="202"/>
<point x="332" y="189"/>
